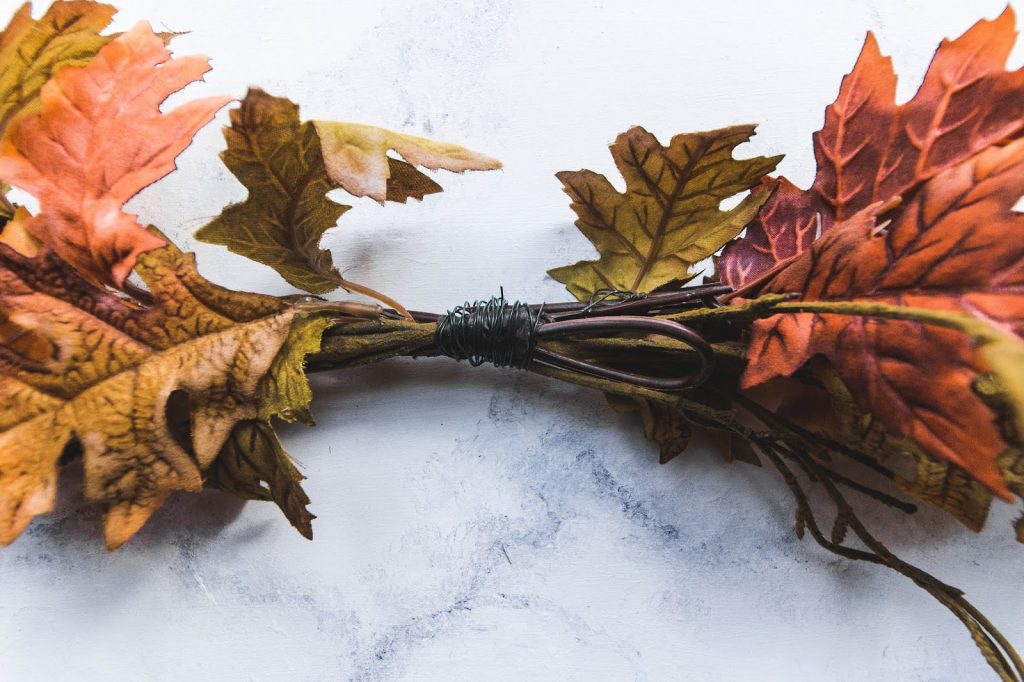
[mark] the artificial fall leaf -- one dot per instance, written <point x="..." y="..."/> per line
<point x="254" y="466"/>
<point x="31" y="51"/>
<point x="356" y="157"/>
<point x="97" y="140"/>
<point x="278" y="159"/>
<point x="289" y="167"/>
<point x="150" y="393"/>
<point x="938" y="483"/>
<point x="668" y="218"/>
<point x="954" y="247"/>
<point x="871" y="149"/>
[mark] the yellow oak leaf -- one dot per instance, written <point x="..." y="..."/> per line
<point x="668" y="219"/>
<point x="150" y="393"/>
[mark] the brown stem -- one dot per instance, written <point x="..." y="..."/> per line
<point x="374" y="294"/>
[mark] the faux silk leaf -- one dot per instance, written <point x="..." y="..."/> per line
<point x="97" y="140"/>
<point x="938" y="483"/>
<point x="79" y="365"/>
<point x="356" y="157"/>
<point x="278" y="159"/>
<point x="871" y="149"/>
<point x="668" y="218"/>
<point x="254" y="466"/>
<point x="31" y="51"/>
<point x="954" y="247"/>
<point x="289" y="166"/>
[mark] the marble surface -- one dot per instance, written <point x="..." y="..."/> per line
<point x="480" y="524"/>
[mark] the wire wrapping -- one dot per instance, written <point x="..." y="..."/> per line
<point x="509" y="334"/>
<point x="495" y="331"/>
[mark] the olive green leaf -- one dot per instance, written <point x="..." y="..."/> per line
<point x="253" y="465"/>
<point x="278" y="159"/>
<point x="289" y="166"/>
<point x="668" y="218"/>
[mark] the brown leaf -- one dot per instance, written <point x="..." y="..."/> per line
<point x="289" y="166"/>
<point x="78" y="364"/>
<point x="254" y="466"/>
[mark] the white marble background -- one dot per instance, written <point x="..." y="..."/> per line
<point x="486" y="525"/>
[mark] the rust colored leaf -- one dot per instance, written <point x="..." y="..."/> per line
<point x="98" y="139"/>
<point x="787" y="224"/>
<point x="31" y="51"/>
<point x="938" y="483"/>
<point x="151" y="394"/>
<point x="871" y="149"/>
<point x="954" y="247"/>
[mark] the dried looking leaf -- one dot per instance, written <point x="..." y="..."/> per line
<point x="31" y="51"/>
<point x="289" y="167"/>
<point x="668" y="218"/>
<point x="279" y="161"/>
<point x="871" y="149"/>
<point x="357" y="160"/>
<point x="254" y="466"/>
<point x="952" y="248"/>
<point x="78" y="364"/>
<point x="98" y="139"/>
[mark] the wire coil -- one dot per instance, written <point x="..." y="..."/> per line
<point x="495" y="331"/>
<point x="511" y="334"/>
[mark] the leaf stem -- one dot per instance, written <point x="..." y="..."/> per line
<point x="376" y="295"/>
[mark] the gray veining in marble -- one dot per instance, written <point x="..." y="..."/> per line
<point x="480" y="524"/>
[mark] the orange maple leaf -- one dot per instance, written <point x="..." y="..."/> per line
<point x="956" y="246"/>
<point x="98" y="140"/>
<point x="871" y="149"/>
